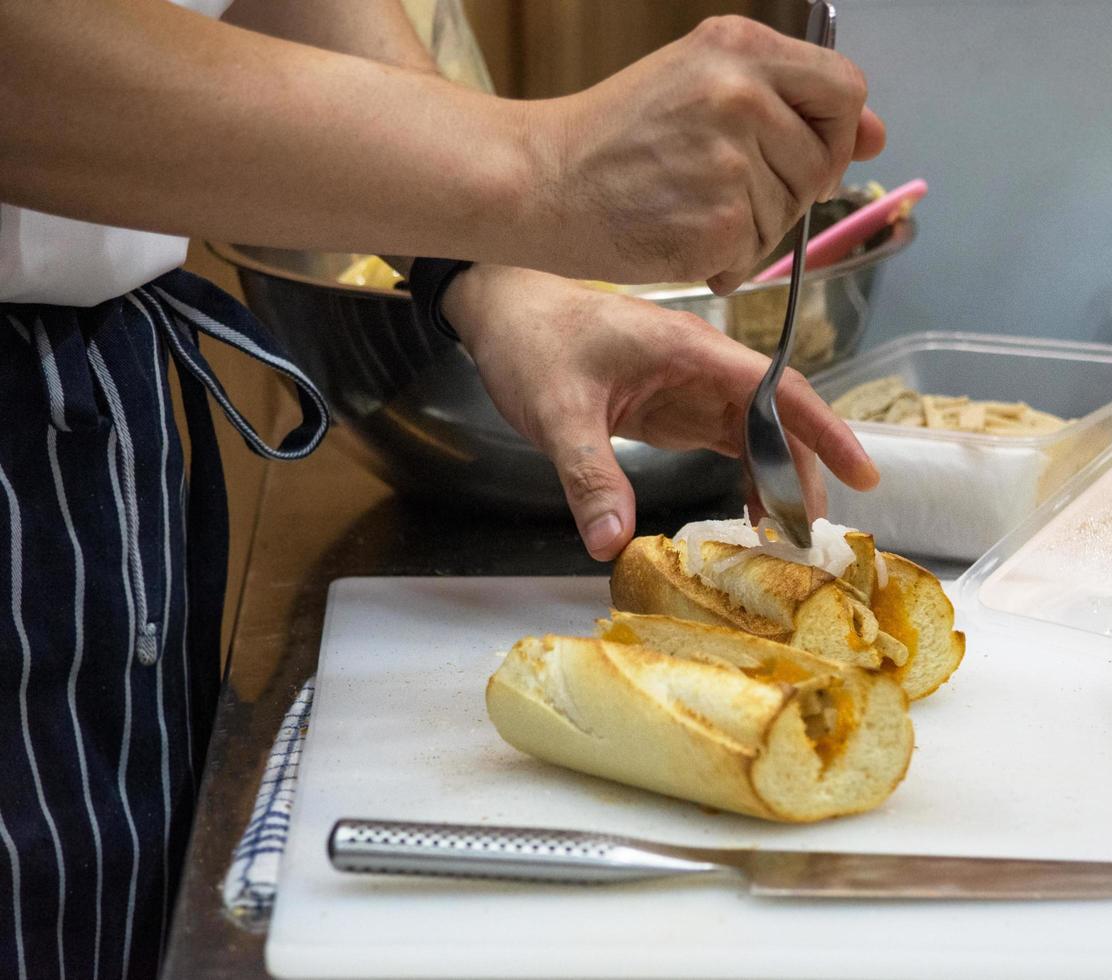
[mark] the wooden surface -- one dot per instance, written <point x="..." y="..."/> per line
<point x="263" y="399"/>
<point x="544" y="48"/>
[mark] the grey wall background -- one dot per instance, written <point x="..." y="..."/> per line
<point x="1005" y="108"/>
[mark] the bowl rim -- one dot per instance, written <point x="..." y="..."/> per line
<point x="903" y="232"/>
<point x="234" y="255"/>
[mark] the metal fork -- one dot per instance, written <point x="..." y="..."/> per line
<point x="771" y="466"/>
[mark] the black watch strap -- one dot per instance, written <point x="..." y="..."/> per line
<point x="428" y="279"/>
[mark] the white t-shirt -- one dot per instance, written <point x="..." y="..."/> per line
<point x="48" y="259"/>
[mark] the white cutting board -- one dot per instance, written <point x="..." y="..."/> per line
<point x="1013" y="758"/>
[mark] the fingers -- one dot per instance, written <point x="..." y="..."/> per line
<point x="797" y="156"/>
<point x="788" y="162"/>
<point x="828" y="91"/>
<point x="733" y="371"/>
<point x="871" y="136"/>
<point x="816" y="426"/>
<point x="727" y="281"/>
<point x="725" y="373"/>
<point x="597" y="491"/>
<point x="807" y="131"/>
<point x="792" y="161"/>
<point x="806" y="465"/>
<point x="773" y="209"/>
<point x="814" y="489"/>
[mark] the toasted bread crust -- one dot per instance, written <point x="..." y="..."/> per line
<point x="690" y="757"/>
<point x="914" y="604"/>
<point x="706" y="713"/>
<point x="912" y="610"/>
<point x="648" y="578"/>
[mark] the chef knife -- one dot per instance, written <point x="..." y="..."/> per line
<point x="576" y="857"/>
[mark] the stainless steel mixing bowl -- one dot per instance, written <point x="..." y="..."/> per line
<point x="418" y="403"/>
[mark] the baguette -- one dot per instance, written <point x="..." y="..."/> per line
<point x="905" y="628"/>
<point x="713" y="715"/>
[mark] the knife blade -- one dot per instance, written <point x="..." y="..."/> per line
<point x="577" y="857"/>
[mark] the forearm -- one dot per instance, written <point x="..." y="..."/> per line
<point x="379" y="30"/>
<point x="189" y="126"/>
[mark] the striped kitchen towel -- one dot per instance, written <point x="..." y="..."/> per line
<point x="252" y="880"/>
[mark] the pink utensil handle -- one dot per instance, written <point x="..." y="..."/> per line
<point x="841" y="238"/>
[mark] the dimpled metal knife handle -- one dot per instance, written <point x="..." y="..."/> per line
<point x="524" y="854"/>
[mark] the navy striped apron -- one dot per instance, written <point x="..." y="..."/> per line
<point x="112" y="574"/>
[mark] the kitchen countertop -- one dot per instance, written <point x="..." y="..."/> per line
<point x="319" y="520"/>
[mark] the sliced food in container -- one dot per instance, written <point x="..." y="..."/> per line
<point x="949" y="493"/>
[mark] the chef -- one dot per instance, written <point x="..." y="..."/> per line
<point x="128" y="125"/>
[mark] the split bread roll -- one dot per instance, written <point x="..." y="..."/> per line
<point x="904" y="628"/>
<point x="707" y="714"/>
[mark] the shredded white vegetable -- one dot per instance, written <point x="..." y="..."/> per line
<point x="740" y="532"/>
<point x="829" y="549"/>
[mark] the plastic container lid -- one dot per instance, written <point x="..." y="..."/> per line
<point x="1056" y="567"/>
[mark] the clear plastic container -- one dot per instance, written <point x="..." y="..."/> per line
<point x="1054" y="569"/>
<point x="954" y="494"/>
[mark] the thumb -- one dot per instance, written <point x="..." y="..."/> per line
<point x="597" y="491"/>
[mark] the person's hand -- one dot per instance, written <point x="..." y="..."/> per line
<point x="693" y="163"/>
<point x="569" y="366"/>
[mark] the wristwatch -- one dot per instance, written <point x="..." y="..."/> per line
<point x="428" y="280"/>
